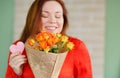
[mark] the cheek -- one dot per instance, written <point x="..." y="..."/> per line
<point x="43" y="22"/>
<point x="61" y="23"/>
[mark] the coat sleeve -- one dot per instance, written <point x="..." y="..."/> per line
<point x="84" y="63"/>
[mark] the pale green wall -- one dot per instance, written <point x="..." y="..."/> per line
<point x="6" y="31"/>
<point x="112" y="49"/>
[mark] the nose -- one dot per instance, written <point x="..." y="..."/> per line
<point x="52" y="19"/>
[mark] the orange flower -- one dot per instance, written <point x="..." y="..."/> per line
<point x="31" y="42"/>
<point x="36" y="48"/>
<point x="39" y="37"/>
<point x="51" y="41"/>
<point x="43" y="44"/>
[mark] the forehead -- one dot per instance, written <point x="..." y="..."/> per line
<point x="52" y="6"/>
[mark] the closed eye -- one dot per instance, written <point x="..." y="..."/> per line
<point x="58" y="15"/>
<point x="45" y="14"/>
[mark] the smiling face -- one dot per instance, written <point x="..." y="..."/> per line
<point x="52" y="17"/>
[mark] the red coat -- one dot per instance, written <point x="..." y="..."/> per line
<point x="76" y="65"/>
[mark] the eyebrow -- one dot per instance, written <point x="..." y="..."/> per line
<point x="45" y="11"/>
<point x="48" y="12"/>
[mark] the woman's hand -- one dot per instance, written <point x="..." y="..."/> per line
<point x="16" y="62"/>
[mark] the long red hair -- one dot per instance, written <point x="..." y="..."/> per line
<point x="33" y="21"/>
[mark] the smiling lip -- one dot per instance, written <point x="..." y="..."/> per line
<point x="50" y="27"/>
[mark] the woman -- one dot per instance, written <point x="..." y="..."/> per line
<point x="50" y="15"/>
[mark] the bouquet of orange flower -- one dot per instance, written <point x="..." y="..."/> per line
<point x="48" y="42"/>
<point x="46" y="53"/>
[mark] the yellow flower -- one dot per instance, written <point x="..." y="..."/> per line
<point x="70" y="45"/>
<point x="47" y="49"/>
<point x="64" y="38"/>
<point x="58" y="35"/>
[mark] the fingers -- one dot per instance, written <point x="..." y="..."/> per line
<point x="16" y="60"/>
<point x="19" y="62"/>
